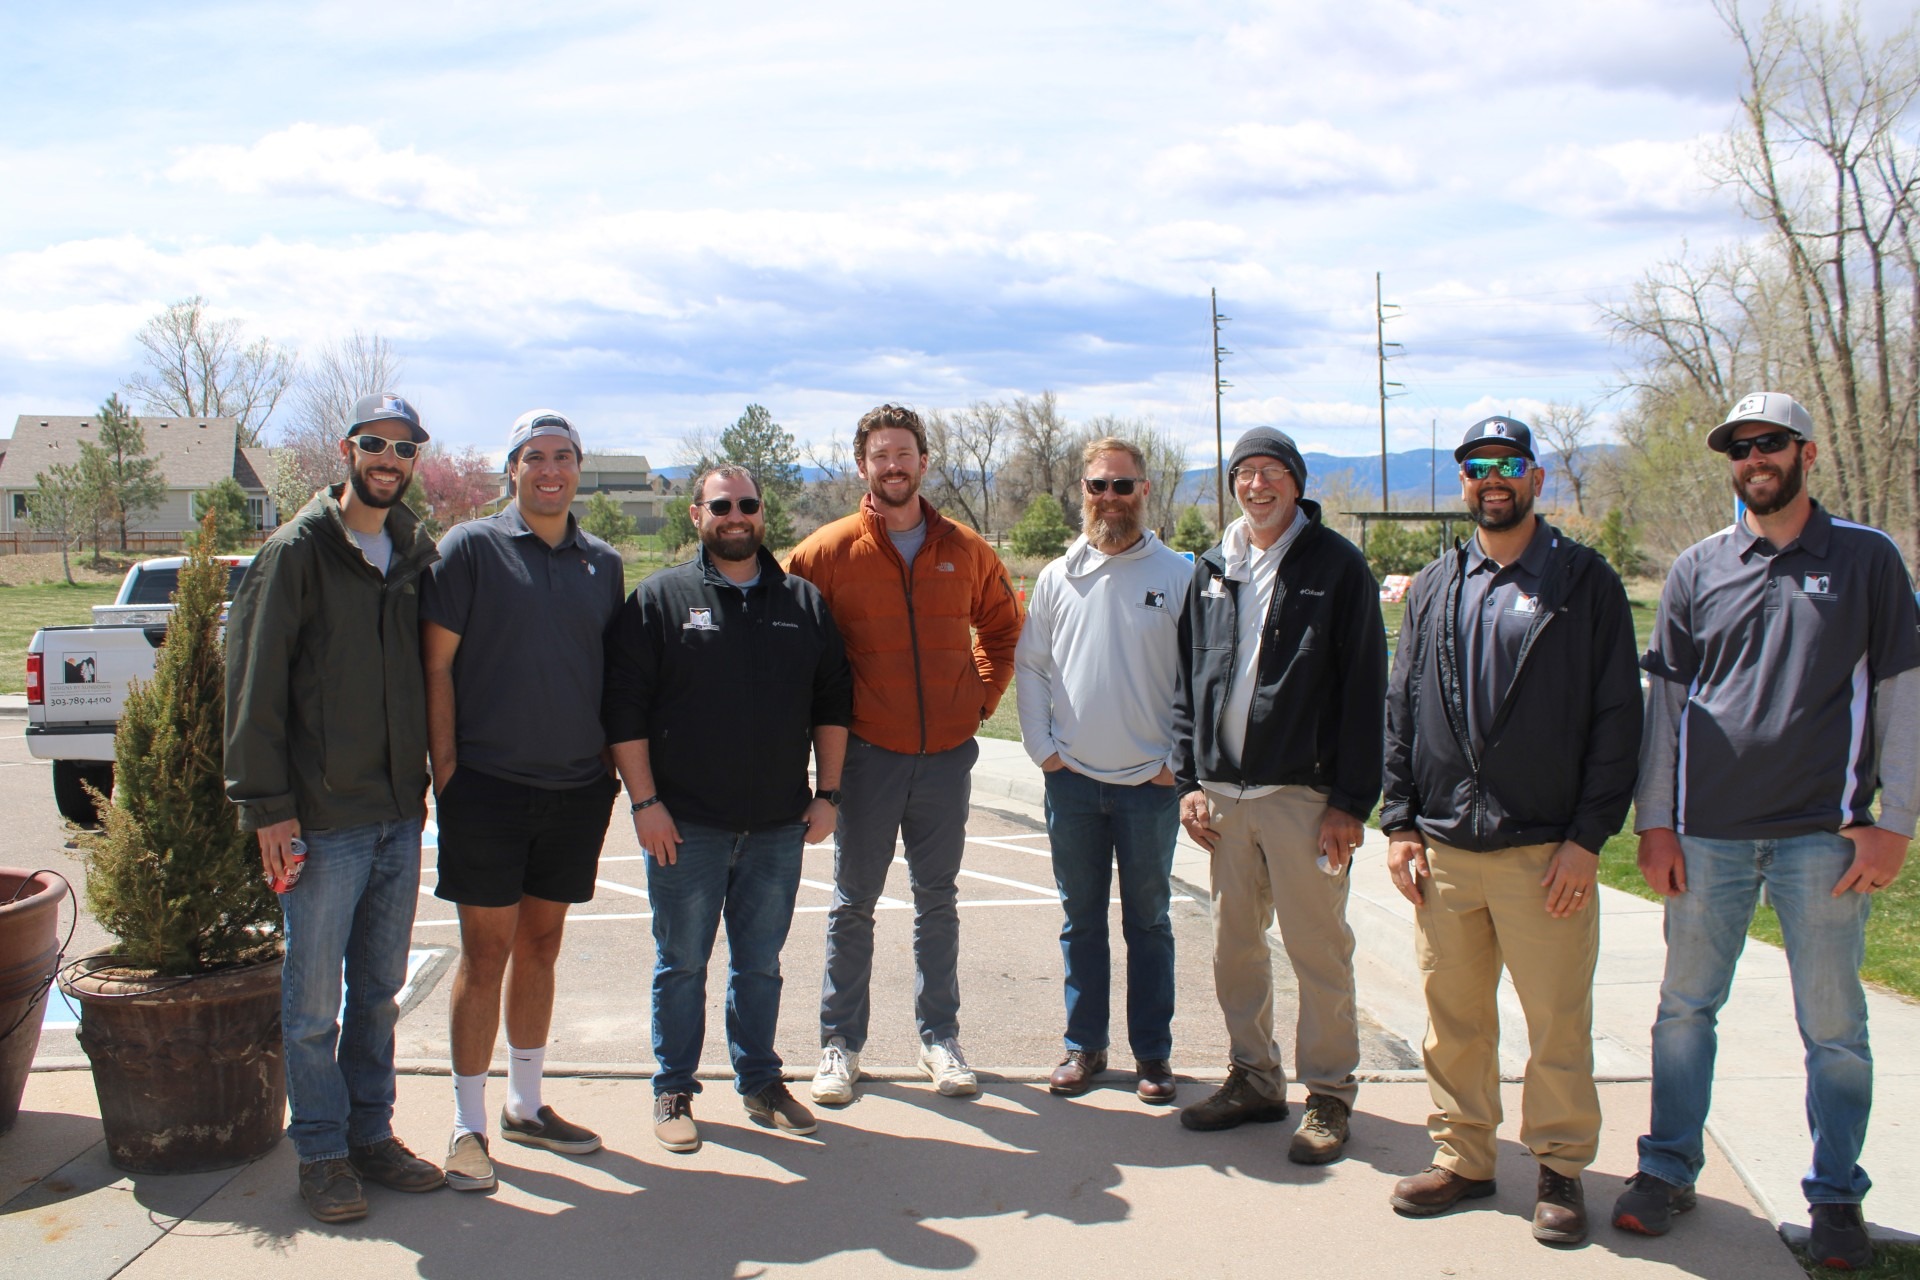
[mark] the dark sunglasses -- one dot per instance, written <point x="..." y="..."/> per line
<point x="1772" y="442"/>
<point x="374" y="446"/>
<point x="1123" y="486"/>
<point x="1480" y="468"/>
<point x="724" y="506"/>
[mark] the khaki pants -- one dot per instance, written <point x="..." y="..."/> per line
<point x="1483" y="910"/>
<point x="1263" y="869"/>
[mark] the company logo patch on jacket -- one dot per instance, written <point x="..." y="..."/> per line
<point x="1524" y="603"/>
<point x="699" y="620"/>
<point x="1817" y="584"/>
<point x="945" y="566"/>
<point x="1154" y="600"/>
<point x="1217" y="588"/>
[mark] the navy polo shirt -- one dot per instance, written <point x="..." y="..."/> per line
<point x="1779" y="649"/>
<point x="532" y="621"/>
<point x="1498" y="604"/>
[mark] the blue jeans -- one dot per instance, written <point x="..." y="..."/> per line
<point x="352" y="909"/>
<point x="1825" y="939"/>
<point x="1094" y="827"/>
<point x="750" y="878"/>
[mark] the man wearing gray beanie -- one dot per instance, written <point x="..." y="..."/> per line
<point x="1277" y="752"/>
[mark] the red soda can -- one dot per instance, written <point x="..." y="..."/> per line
<point x="296" y="858"/>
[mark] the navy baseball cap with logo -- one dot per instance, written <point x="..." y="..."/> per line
<point x="384" y="406"/>
<point x="540" y="422"/>
<point x="1496" y="430"/>
<point x="1775" y="408"/>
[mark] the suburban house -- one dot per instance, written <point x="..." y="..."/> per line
<point x="192" y="454"/>
<point x="628" y="480"/>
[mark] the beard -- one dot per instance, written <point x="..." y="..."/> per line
<point x="1110" y="528"/>
<point x="1792" y="479"/>
<point x="365" y="493"/>
<point x="876" y="485"/>
<point x="734" y="545"/>
<point x="1522" y="506"/>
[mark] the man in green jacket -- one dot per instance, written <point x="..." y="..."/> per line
<point x="326" y="742"/>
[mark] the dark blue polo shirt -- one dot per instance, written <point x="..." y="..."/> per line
<point x="1498" y="604"/>
<point x="531" y="619"/>
<point x="1779" y="649"/>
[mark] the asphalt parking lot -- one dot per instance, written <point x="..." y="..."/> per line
<point x="1011" y="1014"/>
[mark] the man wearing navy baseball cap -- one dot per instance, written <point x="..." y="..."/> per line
<point x="1783" y="692"/>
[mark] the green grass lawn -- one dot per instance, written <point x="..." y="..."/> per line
<point x="24" y="610"/>
<point x="1890" y="1262"/>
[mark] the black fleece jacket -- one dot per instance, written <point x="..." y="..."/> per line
<point x="1561" y="756"/>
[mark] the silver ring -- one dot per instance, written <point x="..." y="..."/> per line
<point x="1579" y="893"/>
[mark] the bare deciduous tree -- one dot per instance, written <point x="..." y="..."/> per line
<point x="968" y="447"/>
<point x="1566" y="430"/>
<point x="322" y="410"/>
<point x="199" y="367"/>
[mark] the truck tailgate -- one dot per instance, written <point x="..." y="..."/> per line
<point x="86" y="670"/>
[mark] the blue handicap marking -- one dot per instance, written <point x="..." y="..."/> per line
<point x="63" y="1014"/>
<point x="430" y="835"/>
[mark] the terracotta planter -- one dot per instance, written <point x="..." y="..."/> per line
<point x="29" y="953"/>
<point x="190" y="1073"/>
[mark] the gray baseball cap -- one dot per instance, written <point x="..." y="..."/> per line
<point x="384" y="406"/>
<point x="540" y="422"/>
<point x="1775" y="408"/>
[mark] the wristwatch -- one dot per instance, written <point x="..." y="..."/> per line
<point x="830" y="794"/>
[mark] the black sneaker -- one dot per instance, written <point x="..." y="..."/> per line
<point x="1648" y="1204"/>
<point x="390" y="1164"/>
<point x="548" y="1130"/>
<point x="1839" y="1238"/>
<point x="331" y="1190"/>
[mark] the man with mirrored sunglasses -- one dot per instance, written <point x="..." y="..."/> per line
<point x="326" y="739"/>
<point x="1513" y="723"/>
<point x="1096" y="666"/>
<point x="1784" y="691"/>
<point x="515" y="617"/>
<point x="722" y="673"/>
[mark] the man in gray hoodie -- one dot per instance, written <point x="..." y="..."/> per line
<point x="1096" y="667"/>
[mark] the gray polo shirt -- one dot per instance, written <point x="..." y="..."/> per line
<point x="531" y="620"/>
<point x="1498" y="603"/>
<point x="1779" y="650"/>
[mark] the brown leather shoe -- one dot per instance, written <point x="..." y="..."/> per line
<point x="1156" y="1081"/>
<point x="1436" y="1190"/>
<point x="1233" y="1103"/>
<point x="1322" y="1135"/>
<point x="1074" y="1076"/>
<point x="1560" y="1213"/>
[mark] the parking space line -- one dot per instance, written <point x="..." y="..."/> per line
<point x="1016" y="848"/>
<point x="884" y="905"/>
<point x="617" y="887"/>
<point x="1052" y="895"/>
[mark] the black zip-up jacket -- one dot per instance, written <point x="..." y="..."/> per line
<point x="727" y="689"/>
<point x="1315" y="716"/>
<point x="1561" y="755"/>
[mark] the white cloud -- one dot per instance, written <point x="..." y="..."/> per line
<point x="1639" y="178"/>
<point x="1253" y="161"/>
<point x="345" y="161"/>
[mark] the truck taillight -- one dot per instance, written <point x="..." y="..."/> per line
<point x="36" y="695"/>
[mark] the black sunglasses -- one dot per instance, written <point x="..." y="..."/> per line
<point x="724" y="506"/>
<point x="1772" y="442"/>
<point x="1123" y="486"/>
<point x="374" y="446"/>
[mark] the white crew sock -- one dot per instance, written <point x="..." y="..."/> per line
<point x="470" y="1104"/>
<point x="523" y="1081"/>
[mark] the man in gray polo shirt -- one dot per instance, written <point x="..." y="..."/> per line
<point x="513" y="625"/>
<point x="1785" y="690"/>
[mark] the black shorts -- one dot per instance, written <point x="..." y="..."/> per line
<point x="501" y="840"/>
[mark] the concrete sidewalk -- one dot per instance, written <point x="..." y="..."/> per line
<point x="1014" y="1182"/>
<point x="1758" y="1118"/>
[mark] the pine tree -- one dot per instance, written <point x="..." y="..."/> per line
<point x="761" y="445"/>
<point x="226" y="502"/>
<point x="1042" y="532"/>
<point x="605" y="520"/>
<point x="172" y="875"/>
<point x="1192" y="533"/>
<point x="131" y="481"/>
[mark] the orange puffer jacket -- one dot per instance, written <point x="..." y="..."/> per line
<point x="922" y="680"/>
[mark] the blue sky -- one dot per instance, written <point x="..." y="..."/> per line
<point x="649" y="215"/>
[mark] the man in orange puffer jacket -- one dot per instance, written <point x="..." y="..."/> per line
<point x="908" y="589"/>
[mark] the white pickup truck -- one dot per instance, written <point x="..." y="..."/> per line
<point x="78" y="676"/>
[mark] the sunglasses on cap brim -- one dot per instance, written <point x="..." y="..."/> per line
<point x="1771" y="442"/>
<point x="1512" y="468"/>
<point x="724" y="506"/>
<point x="374" y="446"/>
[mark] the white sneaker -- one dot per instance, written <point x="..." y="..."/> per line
<point x="839" y="1068"/>
<point x="947" y="1065"/>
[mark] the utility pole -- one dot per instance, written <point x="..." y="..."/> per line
<point x="1433" y="469"/>
<point x="1380" y="348"/>
<point x="1219" y="442"/>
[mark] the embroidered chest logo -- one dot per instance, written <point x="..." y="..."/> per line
<point x="591" y="567"/>
<point x="945" y="566"/>
<point x="1155" y="600"/>
<point x="1524" y="603"/>
<point x="699" y="620"/>
<point x="1817" y="584"/>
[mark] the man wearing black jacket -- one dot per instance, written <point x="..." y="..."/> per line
<point x="1513" y="726"/>
<point x="721" y="674"/>
<point x="1277" y="725"/>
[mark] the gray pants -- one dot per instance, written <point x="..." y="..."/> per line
<point x="923" y="800"/>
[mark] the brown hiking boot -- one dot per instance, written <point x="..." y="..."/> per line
<point x="1156" y="1081"/>
<point x="1074" y="1076"/>
<point x="1233" y="1103"/>
<point x="1435" y="1190"/>
<point x="1322" y="1135"/>
<point x="1560" y="1212"/>
<point x="331" y="1191"/>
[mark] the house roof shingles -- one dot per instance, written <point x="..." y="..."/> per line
<point x="192" y="452"/>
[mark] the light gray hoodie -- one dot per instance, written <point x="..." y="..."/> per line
<point x="1097" y="660"/>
